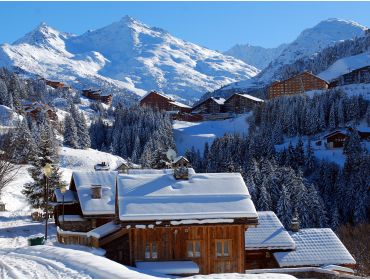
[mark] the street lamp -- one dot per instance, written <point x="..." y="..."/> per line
<point x="63" y="190"/>
<point x="47" y="172"/>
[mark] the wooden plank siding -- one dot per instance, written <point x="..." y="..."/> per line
<point x="208" y="106"/>
<point x="239" y="104"/>
<point x="297" y="84"/>
<point x="171" y="244"/>
<point x="162" y="103"/>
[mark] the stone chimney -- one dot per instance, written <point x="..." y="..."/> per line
<point x="96" y="191"/>
<point x="294" y="226"/>
<point x="181" y="173"/>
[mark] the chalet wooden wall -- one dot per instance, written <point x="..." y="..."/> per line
<point x="208" y="106"/>
<point x="239" y="104"/>
<point x="296" y="84"/>
<point x="171" y="244"/>
<point x="156" y="101"/>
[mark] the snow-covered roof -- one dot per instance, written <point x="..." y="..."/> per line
<point x="158" y="93"/>
<point x="69" y="196"/>
<point x="219" y="100"/>
<point x="104" y="230"/>
<point x="169" y="267"/>
<point x="156" y="171"/>
<point x="148" y="197"/>
<point x="180" y="157"/>
<point x="70" y="218"/>
<point x="179" y="104"/>
<point x="84" y="181"/>
<point x="315" y="247"/>
<point x="250" y="97"/>
<point x="269" y="234"/>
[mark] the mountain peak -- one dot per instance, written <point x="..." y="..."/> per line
<point x="45" y="36"/>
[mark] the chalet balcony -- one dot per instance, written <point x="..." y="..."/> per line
<point x="73" y="238"/>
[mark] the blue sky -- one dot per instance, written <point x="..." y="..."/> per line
<point x="216" y="25"/>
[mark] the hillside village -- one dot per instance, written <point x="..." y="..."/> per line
<point x="241" y="182"/>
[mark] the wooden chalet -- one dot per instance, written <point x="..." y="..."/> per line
<point x="212" y="105"/>
<point x="262" y="241"/>
<point x="35" y="108"/>
<point x="93" y="196"/>
<point x="54" y="84"/>
<point x="335" y="139"/>
<point x="98" y="95"/>
<point x="356" y="76"/>
<point x="167" y="219"/>
<point x="240" y="103"/>
<point x="163" y="102"/>
<point x="181" y="161"/>
<point x="304" y="253"/>
<point x="297" y="84"/>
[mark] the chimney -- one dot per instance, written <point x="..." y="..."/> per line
<point x="96" y="191"/>
<point x="294" y="226"/>
<point x="181" y="173"/>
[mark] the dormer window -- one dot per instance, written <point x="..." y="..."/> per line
<point x="96" y="191"/>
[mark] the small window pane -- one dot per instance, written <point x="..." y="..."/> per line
<point x="190" y="249"/>
<point x="197" y="248"/>
<point x="219" y="249"/>
<point x="154" y="251"/>
<point x="147" y="251"/>
<point x="226" y="248"/>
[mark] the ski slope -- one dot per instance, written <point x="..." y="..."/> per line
<point x="189" y="134"/>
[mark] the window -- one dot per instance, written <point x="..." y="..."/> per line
<point x="223" y="248"/>
<point x="193" y="248"/>
<point x="151" y="250"/>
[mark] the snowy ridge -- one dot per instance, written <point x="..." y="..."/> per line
<point x="309" y="42"/>
<point x="257" y="56"/>
<point x="126" y="55"/>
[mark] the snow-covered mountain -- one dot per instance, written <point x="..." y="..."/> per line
<point x="257" y="56"/>
<point x="309" y="42"/>
<point x="126" y="55"/>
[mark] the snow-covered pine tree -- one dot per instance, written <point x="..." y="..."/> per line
<point x="83" y="137"/>
<point x="70" y="132"/>
<point x="22" y="143"/>
<point x="47" y="153"/>
<point x="284" y="207"/>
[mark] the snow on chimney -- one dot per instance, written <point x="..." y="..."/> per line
<point x="96" y="191"/>
<point x="294" y="226"/>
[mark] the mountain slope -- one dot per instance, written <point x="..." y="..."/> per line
<point x="257" y="56"/>
<point x="126" y="55"/>
<point x="309" y="42"/>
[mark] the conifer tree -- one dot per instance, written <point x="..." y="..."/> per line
<point x="70" y="132"/>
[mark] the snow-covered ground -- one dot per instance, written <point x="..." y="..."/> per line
<point x="188" y="134"/>
<point x="40" y="262"/>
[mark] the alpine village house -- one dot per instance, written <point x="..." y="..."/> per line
<point x="299" y="83"/>
<point x="178" y="222"/>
